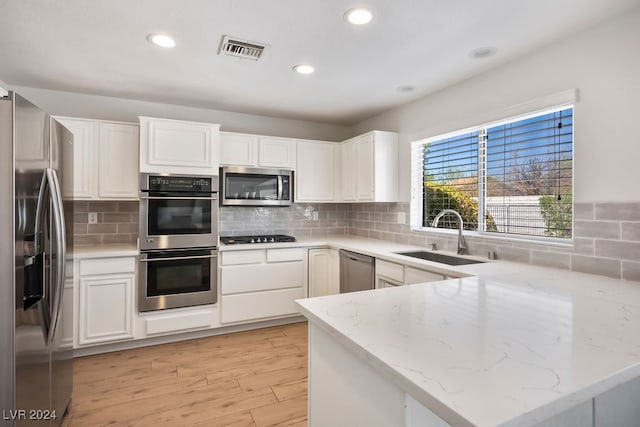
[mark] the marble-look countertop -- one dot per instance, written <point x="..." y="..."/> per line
<point x="510" y="344"/>
<point x="101" y="251"/>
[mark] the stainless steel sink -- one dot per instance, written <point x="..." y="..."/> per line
<point x="441" y="258"/>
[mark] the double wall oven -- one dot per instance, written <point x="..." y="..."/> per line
<point x="178" y="241"/>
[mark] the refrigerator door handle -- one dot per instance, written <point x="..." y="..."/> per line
<point x="61" y="249"/>
<point x="41" y="207"/>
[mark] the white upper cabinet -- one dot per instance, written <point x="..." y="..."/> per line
<point x="277" y="152"/>
<point x="239" y="149"/>
<point x="176" y="146"/>
<point x="105" y="160"/>
<point x="118" y="171"/>
<point x="370" y="168"/>
<point x="349" y="171"/>
<point x="316" y="178"/>
<point x="82" y="184"/>
<point x="365" y="168"/>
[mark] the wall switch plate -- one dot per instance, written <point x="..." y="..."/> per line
<point x="401" y="217"/>
<point x="314" y="216"/>
<point x="93" y="217"/>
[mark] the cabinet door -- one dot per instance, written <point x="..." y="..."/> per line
<point x="315" y="172"/>
<point x="277" y="152"/>
<point x="175" y="146"/>
<point x="260" y="305"/>
<point x="81" y="185"/>
<point x="334" y="272"/>
<point x="413" y="275"/>
<point x="237" y="149"/>
<point x="365" y="169"/>
<point x="105" y="308"/>
<point x="118" y="176"/>
<point x="349" y="169"/>
<point x="319" y="275"/>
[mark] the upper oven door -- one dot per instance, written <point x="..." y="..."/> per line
<point x="256" y="187"/>
<point x="173" y="221"/>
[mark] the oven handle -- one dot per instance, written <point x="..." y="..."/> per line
<point x="179" y="198"/>
<point x="177" y="258"/>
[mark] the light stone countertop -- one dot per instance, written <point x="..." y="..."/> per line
<point x="510" y="344"/>
<point x="506" y="344"/>
<point x="101" y="251"/>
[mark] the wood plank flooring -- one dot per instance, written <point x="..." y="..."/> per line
<point x="256" y="378"/>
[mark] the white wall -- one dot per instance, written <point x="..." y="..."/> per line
<point x="127" y="110"/>
<point x="603" y="63"/>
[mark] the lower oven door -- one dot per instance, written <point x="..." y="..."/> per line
<point x="178" y="278"/>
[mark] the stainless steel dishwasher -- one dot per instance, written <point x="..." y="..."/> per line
<point x="356" y="272"/>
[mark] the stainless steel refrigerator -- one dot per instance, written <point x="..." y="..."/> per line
<point x="35" y="261"/>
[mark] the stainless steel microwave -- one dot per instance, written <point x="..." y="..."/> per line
<point x="256" y="187"/>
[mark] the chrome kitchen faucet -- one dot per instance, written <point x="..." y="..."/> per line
<point x="462" y="245"/>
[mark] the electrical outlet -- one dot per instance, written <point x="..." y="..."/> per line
<point x="93" y="217"/>
<point x="401" y="217"/>
<point x="314" y="216"/>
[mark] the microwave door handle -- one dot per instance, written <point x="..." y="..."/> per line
<point x="177" y="258"/>
<point x="61" y="249"/>
<point x="280" y="187"/>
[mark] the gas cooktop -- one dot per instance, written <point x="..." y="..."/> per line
<point x="268" y="238"/>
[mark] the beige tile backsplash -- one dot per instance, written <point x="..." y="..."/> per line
<point x="606" y="235"/>
<point x="606" y="238"/>
<point x="117" y="223"/>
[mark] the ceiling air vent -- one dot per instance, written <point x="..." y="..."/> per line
<point x="234" y="46"/>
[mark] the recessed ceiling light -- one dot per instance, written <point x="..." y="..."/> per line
<point x="303" y="69"/>
<point x="358" y="16"/>
<point x="483" y="52"/>
<point x="405" y="89"/>
<point x="161" y="40"/>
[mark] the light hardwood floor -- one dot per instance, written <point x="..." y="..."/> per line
<point x="255" y="378"/>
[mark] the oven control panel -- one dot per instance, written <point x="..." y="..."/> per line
<point x="183" y="184"/>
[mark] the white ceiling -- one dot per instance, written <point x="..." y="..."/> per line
<point x="99" y="47"/>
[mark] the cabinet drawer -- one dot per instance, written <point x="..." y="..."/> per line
<point x="179" y="322"/>
<point x="261" y="277"/>
<point x="288" y="254"/>
<point x="243" y="257"/>
<point x="259" y="305"/>
<point x="107" y="265"/>
<point x="390" y="270"/>
<point x="413" y="275"/>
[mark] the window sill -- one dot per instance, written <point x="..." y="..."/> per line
<point x="511" y="238"/>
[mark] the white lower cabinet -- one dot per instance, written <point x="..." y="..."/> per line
<point x="414" y="275"/>
<point x="389" y="274"/>
<point x="177" y="320"/>
<point x="324" y="272"/>
<point x="105" y="300"/>
<point x="261" y="284"/>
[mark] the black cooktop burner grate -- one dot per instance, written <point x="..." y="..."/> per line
<point x="264" y="238"/>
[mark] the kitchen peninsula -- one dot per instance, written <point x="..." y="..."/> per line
<point x="504" y="347"/>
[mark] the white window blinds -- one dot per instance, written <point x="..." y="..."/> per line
<point x="514" y="177"/>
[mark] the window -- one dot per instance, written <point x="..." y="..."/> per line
<point x="514" y="177"/>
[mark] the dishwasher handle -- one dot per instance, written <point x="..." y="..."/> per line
<point x="356" y="257"/>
